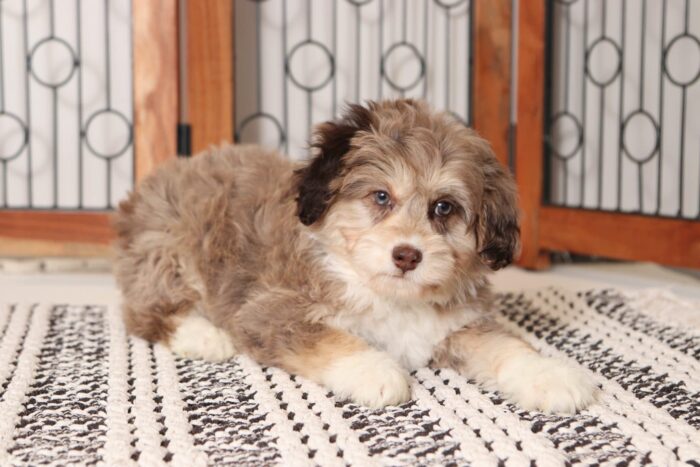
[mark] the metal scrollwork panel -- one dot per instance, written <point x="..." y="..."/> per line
<point x="299" y="61"/>
<point x="623" y="106"/>
<point x="66" y="126"/>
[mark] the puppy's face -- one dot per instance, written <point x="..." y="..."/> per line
<point x="408" y="201"/>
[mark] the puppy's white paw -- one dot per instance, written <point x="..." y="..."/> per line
<point x="196" y="337"/>
<point x="370" y="378"/>
<point x="547" y="384"/>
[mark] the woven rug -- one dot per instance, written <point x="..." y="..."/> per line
<point x="74" y="389"/>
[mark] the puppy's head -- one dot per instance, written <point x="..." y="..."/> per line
<point x="409" y="201"/>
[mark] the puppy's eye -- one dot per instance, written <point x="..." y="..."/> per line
<point x="382" y="198"/>
<point x="443" y="208"/>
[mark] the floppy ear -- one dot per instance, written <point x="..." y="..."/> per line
<point x="332" y="141"/>
<point x="498" y="230"/>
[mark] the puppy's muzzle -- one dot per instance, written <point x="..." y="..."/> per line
<point x="406" y="257"/>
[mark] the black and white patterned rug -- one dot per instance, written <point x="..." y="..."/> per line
<point x="74" y="389"/>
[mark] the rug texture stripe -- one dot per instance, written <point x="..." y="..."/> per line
<point x="602" y="423"/>
<point x="178" y="430"/>
<point x="66" y="386"/>
<point x="117" y="447"/>
<point x="616" y="400"/>
<point x="14" y="396"/>
<point x="75" y="389"/>
<point x="599" y="355"/>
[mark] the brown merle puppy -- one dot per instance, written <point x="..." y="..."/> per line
<point x="366" y="262"/>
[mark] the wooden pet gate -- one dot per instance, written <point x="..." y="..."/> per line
<point x="583" y="99"/>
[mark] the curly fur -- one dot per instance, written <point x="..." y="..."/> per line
<point x="293" y="261"/>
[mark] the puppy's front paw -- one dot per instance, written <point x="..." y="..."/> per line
<point x="370" y="378"/>
<point x="547" y="384"/>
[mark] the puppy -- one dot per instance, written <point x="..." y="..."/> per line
<point x="353" y="269"/>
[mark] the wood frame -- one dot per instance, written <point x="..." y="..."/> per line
<point x="674" y="242"/>
<point x="79" y="233"/>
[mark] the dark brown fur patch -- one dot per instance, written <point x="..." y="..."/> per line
<point x="333" y="141"/>
<point x="498" y="228"/>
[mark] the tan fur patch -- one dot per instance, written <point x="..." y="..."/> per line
<point x="317" y="357"/>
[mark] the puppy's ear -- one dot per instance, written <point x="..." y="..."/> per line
<point x="332" y="141"/>
<point x="498" y="230"/>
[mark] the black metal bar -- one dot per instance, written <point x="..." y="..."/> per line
<point x="621" y="141"/>
<point x="309" y="21"/>
<point x="640" y="179"/>
<point x="2" y="67"/>
<point x="567" y="58"/>
<point x="258" y="60"/>
<point x="358" y="63"/>
<point x="108" y="69"/>
<point x="54" y="144"/>
<point x="659" y="161"/>
<point x="52" y="26"/>
<point x="425" y="45"/>
<point x="5" y="203"/>
<point x="642" y="56"/>
<point x="584" y="106"/>
<point x="27" y="84"/>
<point x="309" y="95"/>
<point x="512" y="105"/>
<point x="601" y="127"/>
<point x="184" y="139"/>
<point x="547" y="114"/>
<point x="285" y="86"/>
<point x="381" y="47"/>
<point x="335" y="54"/>
<point x="601" y="145"/>
<point x="108" y="92"/>
<point x="404" y="27"/>
<point x="447" y="58"/>
<point x="681" y="162"/>
<point x="639" y="186"/>
<point x="81" y="135"/>
<point x="108" y="187"/>
<point x="470" y="69"/>
<point x="567" y="63"/>
<point x="404" y="21"/>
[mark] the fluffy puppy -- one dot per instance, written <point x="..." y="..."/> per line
<point x="352" y="269"/>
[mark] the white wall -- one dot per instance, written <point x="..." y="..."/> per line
<point x="52" y="62"/>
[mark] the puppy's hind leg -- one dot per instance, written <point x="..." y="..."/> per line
<point x="196" y="337"/>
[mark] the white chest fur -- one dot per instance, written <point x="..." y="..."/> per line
<point x="407" y="332"/>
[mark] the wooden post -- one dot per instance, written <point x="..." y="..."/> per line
<point x="209" y="71"/>
<point x="492" y="73"/>
<point x="155" y="83"/>
<point x="530" y="130"/>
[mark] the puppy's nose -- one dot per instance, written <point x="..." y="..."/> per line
<point x="406" y="257"/>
